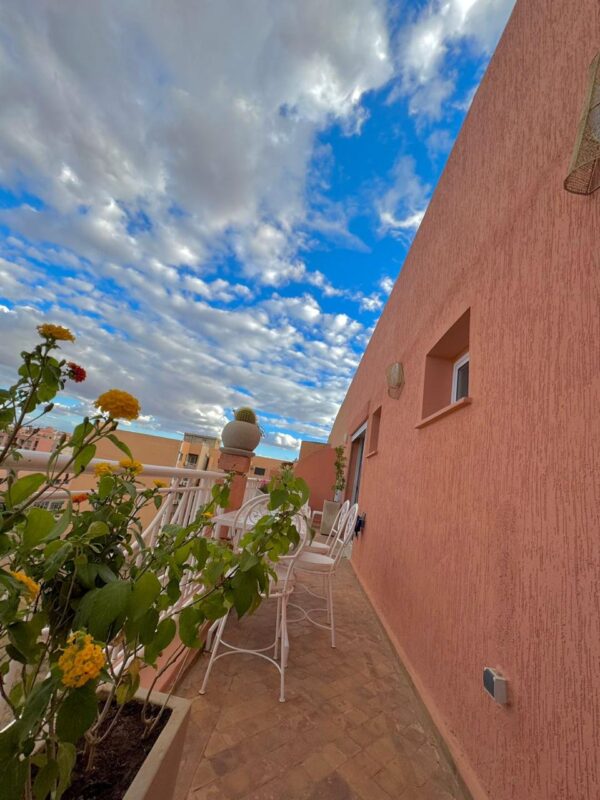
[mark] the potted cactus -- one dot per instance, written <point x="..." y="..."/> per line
<point x="243" y="433"/>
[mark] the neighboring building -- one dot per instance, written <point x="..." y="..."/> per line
<point x="199" y="452"/>
<point x="307" y="448"/>
<point x="481" y="481"/>
<point x="42" y="440"/>
<point x="262" y="467"/>
<point x="192" y="452"/>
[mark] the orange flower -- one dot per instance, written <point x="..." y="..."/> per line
<point x="131" y="465"/>
<point x="81" y="661"/>
<point x="30" y="586"/>
<point x="57" y="332"/>
<point x="79" y="498"/>
<point x="101" y="469"/>
<point x="118" y="404"/>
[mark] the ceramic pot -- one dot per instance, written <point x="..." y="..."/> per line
<point x="239" y="435"/>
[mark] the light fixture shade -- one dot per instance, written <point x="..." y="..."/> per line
<point x="584" y="169"/>
<point x="395" y="379"/>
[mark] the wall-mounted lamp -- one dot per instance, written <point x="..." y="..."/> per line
<point x="395" y="379"/>
<point x="584" y="169"/>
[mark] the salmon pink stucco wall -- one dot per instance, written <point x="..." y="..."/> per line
<point x="318" y="470"/>
<point x="482" y="541"/>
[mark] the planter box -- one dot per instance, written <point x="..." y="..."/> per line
<point x="158" y="774"/>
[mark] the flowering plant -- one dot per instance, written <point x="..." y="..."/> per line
<point x="86" y="602"/>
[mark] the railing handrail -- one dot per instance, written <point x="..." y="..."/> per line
<point x="32" y="460"/>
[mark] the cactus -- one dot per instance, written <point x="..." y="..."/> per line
<point x="246" y="415"/>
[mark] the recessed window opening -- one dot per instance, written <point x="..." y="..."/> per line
<point x="374" y="431"/>
<point x="357" y="452"/>
<point x="447" y="368"/>
<point x="460" y="378"/>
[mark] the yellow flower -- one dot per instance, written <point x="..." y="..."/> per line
<point x="31" y="587"/>
<point x="57" y="332"/>
<point x="159" y="484"/>
<point x="131" y="465"/>
<point x="207" y="514"/>
<point x="118" y="404"/>
<point x="102" y="469"/>
<point x="81" y="661"/>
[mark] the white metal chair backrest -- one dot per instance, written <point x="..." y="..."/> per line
<point x="338" y="523"/>
<point x="345" y="534"/>
<point x="248" y="515"/>
<point x="288" y="561"/>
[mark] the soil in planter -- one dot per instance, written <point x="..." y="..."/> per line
<point x="118" y="759"/>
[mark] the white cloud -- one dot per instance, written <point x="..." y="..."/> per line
<point x="284" y="440"/>
<point x="177" y="128"/>
<point x="425" y="45"/>
<point x="170" y="145"/>
<point x="386" y="284"/>
<point x="402" y="207"/>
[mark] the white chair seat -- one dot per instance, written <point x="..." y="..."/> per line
<point x="318" y="547"/>
<point x="317" y="562"/>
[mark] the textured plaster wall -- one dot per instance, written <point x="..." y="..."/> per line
<point x="318" y="470"/>
<point x="482" y="544"/>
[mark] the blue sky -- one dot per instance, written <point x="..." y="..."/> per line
<point x="217" y="198"/>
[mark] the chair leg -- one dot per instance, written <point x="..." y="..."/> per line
<point x="213" y="653"/>
<point x="285" y="646"/>
<point x="330" y="605"/>
<point x="277" y="628"/>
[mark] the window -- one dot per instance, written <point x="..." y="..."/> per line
<point x="447" y="368"/>
<point x="191" y="460"/>
<point x="357" y="452"/>
<point x="460" y="378"/>
<point x="259" y="470"/>
<point x="374" y="431"/>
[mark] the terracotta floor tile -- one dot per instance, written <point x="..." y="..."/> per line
<point x="351" y="727"/>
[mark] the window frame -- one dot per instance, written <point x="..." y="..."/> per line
<point x="460" y="362"/>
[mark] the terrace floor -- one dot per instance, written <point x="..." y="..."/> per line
<point x="352" y="726"/>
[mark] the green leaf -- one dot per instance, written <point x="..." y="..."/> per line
<point x="45" y="780"/>
<point x="97" y="530"/>
<point x="66" y="756"/>
<point x="145" y="591"/>
<point x="130" y="684"/>
<point x="189" y="621"/>
<point x="38" y="526"/>
<point x="118" y="443"/>
<point x="24" y="636"/>
<point x="6" y="418"/>
<point x="165" y="633"/>
<point x="245" y="590"/>
<point x="14" y="775"/>
<point x="10" y="740"/>
<point x="81" y="431"/>
<point x="35" y="706"/>
<point x="105" y="486"/>
<point x="101" y="608"/>
<point x="77" y="713"/>
<point x="61" y="524"/>
<point x="59" y="556"/>
<point x="277" y="499"/>
<point x="23" y="488"/>
<point x="83" y="458"/>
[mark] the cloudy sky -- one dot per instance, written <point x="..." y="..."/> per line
<point x="217" y="196"/>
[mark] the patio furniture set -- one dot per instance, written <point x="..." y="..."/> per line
<point x="317" y="559"/>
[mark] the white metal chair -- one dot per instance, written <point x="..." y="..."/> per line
<point x="280" y="590"/>
<point x="338" y="524"/>
<point x="325" y="566"/>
